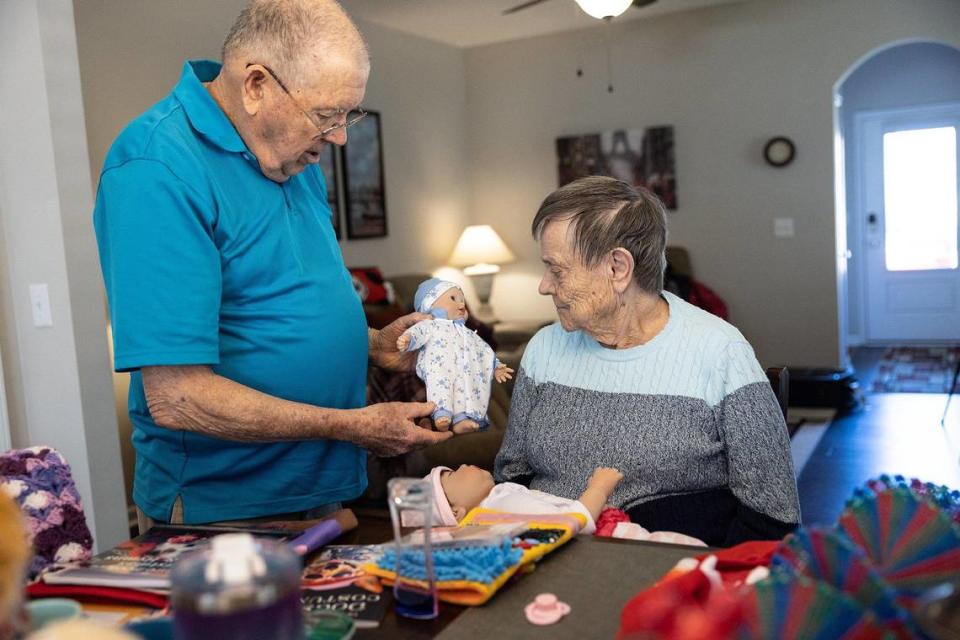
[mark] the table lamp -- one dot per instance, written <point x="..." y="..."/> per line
<point x="481" y="252"/>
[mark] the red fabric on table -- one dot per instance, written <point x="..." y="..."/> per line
<point x="682" y="605"/>
<point x="608" y="521"/>
<point x="97" y="595"/>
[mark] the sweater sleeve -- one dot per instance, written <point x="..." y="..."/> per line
<point x="511" y="464"/>
<point x="759" y="463"/>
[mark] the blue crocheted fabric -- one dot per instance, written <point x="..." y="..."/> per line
<point x="39" y="480"/>
<point x="474" y="563"/>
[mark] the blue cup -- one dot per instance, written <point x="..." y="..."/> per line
<point x="48" y="610"/>
<point x="152" y="629"/>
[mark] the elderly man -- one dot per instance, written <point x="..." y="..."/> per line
<point x="635" y="378"/>
<point x="230" y="303"/>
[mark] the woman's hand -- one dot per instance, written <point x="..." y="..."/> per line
<point x="383" y="344"/>
<point x="503" y="373"/>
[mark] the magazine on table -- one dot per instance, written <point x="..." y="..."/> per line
<point x="145" y="562"/>
<point x="335" y="580"/>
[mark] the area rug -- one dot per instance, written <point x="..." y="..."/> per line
<point x="917" y="370"/>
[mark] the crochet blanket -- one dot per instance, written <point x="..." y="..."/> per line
<point x="39" y="480"/>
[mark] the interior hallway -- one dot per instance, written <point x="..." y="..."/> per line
<point x="894" y="433"/>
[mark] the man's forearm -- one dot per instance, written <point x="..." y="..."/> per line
<point x="194" y="398"/>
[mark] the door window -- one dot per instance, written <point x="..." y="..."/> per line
<point x="920" y="199"/>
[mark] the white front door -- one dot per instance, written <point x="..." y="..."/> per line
<point x="909" y="190"/>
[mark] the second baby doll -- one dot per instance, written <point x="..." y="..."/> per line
<point x="456" y="365"/>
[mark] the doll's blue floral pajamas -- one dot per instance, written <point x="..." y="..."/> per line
<point x="457" y="366"/>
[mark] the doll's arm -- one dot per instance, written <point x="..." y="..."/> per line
<point x="501" y="372"/>
<point x="416" y="336"/>
<point x="600" y="487"/>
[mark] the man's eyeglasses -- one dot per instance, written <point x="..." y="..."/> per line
<point x="321" y="122"/>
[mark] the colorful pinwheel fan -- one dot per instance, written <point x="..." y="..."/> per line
<point x="790" y="607"/>
<point x="829" y="556"/>
<point x="913" y="543"/>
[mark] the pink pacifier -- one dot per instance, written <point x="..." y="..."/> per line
<point x="546" y="609"/>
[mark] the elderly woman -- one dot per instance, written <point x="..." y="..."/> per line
<point x="635" y="378"/>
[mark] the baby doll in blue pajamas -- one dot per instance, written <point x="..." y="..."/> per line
<point x="454" y="362"/>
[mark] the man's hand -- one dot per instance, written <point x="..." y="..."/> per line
<point x="390" y="429"/>
<point x="383" y="344"/>
<point x="503" y="373"/>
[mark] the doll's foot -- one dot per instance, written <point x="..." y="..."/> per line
<point x="466" y="426"/>
<point x="443" y="423"/>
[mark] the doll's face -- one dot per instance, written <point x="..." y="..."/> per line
<point x="466" y="487"/>
<point x="453" y="302"/>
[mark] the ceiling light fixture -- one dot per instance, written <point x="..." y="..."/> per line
<point x="601" y="9"/>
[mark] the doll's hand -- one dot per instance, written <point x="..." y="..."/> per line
<point x="403" y="342"/>
<point x="604" y="479"/>
<point x="383" y="344"/>
<point x="503" y="373"/>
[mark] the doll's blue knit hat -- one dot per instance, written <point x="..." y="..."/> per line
<point x="428" y="292"/>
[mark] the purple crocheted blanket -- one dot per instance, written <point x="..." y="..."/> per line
<point x="39" y="480"/>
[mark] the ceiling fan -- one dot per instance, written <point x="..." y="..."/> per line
<point x="595" y="8"/>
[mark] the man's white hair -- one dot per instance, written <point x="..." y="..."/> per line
<point x="279" y="33"/>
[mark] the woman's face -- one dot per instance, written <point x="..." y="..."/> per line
<point x="581" y="295"/>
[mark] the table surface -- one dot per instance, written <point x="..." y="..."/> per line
<point x="595" y="576"/>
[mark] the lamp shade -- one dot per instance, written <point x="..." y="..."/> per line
<point x="480" y="244"/>
<point x="604" y="8"/>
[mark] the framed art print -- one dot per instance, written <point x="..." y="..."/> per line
<point x="328" y="165"/>
<point x="363" y="179"/>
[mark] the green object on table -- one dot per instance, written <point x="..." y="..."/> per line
<point x="48" y="610"/>
<point x="330" y="625"/>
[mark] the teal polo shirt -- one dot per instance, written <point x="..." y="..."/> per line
<point x="208" y="262"/>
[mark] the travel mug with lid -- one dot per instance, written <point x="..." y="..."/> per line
<point x="240" y="588"/>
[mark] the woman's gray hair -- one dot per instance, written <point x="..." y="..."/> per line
<point x="607" y="214"/>
<point x="284" y="31"/>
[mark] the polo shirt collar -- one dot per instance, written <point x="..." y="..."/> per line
<point x="202" y="110"/>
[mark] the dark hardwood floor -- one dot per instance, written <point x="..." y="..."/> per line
<point x="894" y="433"/>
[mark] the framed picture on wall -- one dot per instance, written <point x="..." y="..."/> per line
<point x="641" y="157"/>
<point x="366" y="204"/>
<point x="329" y="165"/>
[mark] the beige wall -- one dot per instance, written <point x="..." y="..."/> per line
<point x="727" y="78"/>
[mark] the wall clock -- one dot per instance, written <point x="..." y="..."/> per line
<point x="779" y="151"/>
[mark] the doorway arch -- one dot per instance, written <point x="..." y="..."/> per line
<point x="903" y="76"/>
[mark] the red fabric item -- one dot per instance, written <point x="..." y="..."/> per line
<point x="97" y="595"/>
<point x="704" y="297"/>
<point x="369" y="283"/>
<point x="682" y="605"/>
<point x="608" y="520"/>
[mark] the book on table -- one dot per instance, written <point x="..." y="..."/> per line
<point x="145" y="562"/>
<point x="336" y="580"/>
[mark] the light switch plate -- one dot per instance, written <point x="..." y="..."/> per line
<point x="783" y="228"/>
<point x="40" y="305"/>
